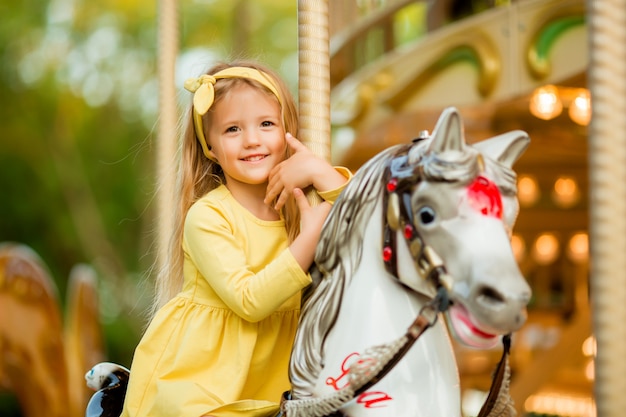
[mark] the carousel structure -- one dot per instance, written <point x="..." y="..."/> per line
<point x="555" y="69"/>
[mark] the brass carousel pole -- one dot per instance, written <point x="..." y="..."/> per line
<point x="607" y="165"/>
<point x="314" y="77"/>
<point x="166" y="136"/>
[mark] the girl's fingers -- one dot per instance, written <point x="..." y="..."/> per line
<point x="295" y="144"/>
<point x="282" y="199"/>
<point x="301" y="200"/>
<point x="272" y="191"/>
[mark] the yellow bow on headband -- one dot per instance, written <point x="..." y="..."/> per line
<point x="202" y="87"/>
<point x="204" y="94"/>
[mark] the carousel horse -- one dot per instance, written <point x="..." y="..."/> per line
<point x="422" y="231"/>
<point x="422" y="228"/>
<point x="110" y="382"/>
<point x="43" y="356"/>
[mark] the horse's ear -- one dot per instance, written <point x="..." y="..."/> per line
<point x="505" y="148"/>
<point x="448" y="134"/>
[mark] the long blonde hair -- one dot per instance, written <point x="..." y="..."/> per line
<point x="197" y="175"/>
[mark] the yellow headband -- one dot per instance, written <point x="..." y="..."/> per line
<point x="204" y="94"/>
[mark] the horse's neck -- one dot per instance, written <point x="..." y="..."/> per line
<point x="376" y="310"/>
<point x="382" y="302"/>
<point x="372" y="257"/>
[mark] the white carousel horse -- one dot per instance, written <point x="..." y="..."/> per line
<point x="434" y="214"/>
<point x="420" y="229"/>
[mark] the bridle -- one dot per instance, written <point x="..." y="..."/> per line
<point x="400" y="180"/>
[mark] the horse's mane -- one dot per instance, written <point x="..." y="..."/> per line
<point x="340" y="247"/>
<point x="338" y="253"/>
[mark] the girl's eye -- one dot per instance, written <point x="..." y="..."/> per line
<point x="232" y="129"/>
<point x="267" y="123"/>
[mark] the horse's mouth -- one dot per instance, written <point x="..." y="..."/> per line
<point x="467" y="331"/>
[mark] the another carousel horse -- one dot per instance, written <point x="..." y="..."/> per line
<point x="426" y="221"/>
<point x="110" y="382"/>
<point x="421" y="229"/>
<point x="42" y="356"/>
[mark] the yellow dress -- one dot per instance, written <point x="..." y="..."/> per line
<point x="222" y="346"/>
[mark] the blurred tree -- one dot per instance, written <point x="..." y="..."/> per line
<point x="78" y="108"/>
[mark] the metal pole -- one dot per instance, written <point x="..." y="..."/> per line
<point x="166" y="136"/>
<point x="607" y="166"/>
<point x="314" y="76"/>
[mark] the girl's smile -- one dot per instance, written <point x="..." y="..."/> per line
<point x="254" y="158"/>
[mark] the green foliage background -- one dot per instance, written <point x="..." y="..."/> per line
<point x="79" y="98"/>
<point x="79" y="109"/>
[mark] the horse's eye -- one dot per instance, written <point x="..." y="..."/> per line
<point x="426" y="215"/>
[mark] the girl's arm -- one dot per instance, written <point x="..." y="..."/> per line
<point x="219" y="248"/>
<point x="312" y="220"/>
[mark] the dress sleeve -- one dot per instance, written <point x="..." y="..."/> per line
<point x="332" y="195"/>
<point x="220" y="257"/>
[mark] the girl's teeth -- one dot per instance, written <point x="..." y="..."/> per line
<point x="254" y="158"/>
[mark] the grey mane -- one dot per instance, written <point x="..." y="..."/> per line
<point x="338" y="253"/>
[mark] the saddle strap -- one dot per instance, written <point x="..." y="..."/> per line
<point x="498" y="403"/>
<point x="362" y="378"/>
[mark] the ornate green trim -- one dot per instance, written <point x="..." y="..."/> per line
<point x="481" y="55"/>
<point x="539" y="49"/>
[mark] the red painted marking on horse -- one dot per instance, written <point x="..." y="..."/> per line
<point x="372" y="399"/>
<point x="485" y="197"/>
<point x="368" y="399"/>
<point x="345" y="367"/>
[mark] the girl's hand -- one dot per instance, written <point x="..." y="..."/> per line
<point x="312" y="218"/>
<point x="311" y="221"/>
<point x="300" y="170"/>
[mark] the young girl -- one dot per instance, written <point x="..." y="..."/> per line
<point x="229" y="301"/>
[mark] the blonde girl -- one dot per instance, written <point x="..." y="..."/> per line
<point x="228" y="302"/>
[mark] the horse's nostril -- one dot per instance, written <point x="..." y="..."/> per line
<point x="490" y="295"/>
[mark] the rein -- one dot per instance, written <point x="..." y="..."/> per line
<point x="379" y="360"/>
<point x="400" y="179"/>
<point x="426" y="318"/>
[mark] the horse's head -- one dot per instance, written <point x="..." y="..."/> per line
<point x="455" y="206"/>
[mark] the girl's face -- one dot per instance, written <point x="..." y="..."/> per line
<point x="246" y="136"/>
